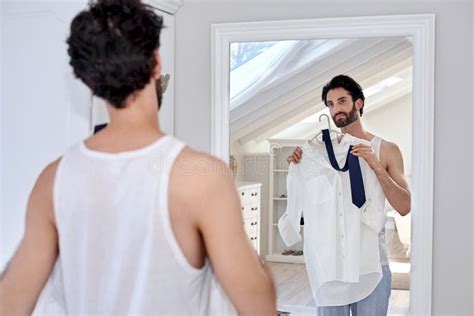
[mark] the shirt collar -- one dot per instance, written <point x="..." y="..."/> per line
<point x="317" y="151"/>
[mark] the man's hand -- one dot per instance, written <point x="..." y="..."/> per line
<point x="367" y="152"/>
<point x="295" y="156"/>
<point x="390" y="173"/>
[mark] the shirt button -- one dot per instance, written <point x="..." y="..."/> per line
<point x="342" y="236"/>
<point x="340" y="214"/>
<point x="339" y="193"/>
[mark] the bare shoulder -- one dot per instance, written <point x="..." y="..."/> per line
<point x="389" y="151"/>
<point x="49" y="172"/>
<point x="391" y="156"/>
<point x="195" y="175"/>
<point x="45" y="181"/>
<point x="389" y="146"/>
<point x="193" y="155"/>
<point x="41" y="197"/>
<point x="196" y="165"/>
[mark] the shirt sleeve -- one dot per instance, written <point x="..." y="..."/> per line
<point x="289" y="223"/>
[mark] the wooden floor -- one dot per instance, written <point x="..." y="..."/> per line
<point x="294" y="291"/>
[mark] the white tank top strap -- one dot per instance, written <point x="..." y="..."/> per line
<point x="375" y="142"/>
<point x="165" y="161"/>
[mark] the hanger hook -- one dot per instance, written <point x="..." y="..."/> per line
<point x="327" y="118"/>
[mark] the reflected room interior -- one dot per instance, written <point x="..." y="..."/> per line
<point x="275" y="106"/>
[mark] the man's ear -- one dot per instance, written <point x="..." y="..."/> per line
<point x="157" y="70"/>
<point x="359" y="104"/>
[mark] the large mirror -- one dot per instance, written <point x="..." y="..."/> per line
<point x="272" y="100"/>
<point x="276" y="105"/>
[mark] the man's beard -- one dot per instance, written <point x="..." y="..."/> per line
<point x="159" y="92"/>
<point x="348" y="119"/>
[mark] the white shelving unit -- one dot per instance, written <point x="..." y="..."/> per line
<point x="278" y="167"/>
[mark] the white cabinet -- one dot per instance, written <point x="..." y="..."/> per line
<point x="249" y="193"/>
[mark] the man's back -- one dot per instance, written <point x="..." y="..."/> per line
<point x="122" y="245"/>
<point x="118" y="251"/>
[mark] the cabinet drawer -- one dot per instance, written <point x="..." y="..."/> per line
<point x="256" y="245"/>
<point x="251" y="226"/>
<point x="254" y="239"/>
<point x="251" y="211"/>
<point x="253" y="231"/>
<point x="249" y="196"/>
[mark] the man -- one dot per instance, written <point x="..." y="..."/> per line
<point x="345" y="100"/>
<point x="130" y="214"/>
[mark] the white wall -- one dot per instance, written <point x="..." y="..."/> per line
<point x="393" y="123"/>
<point x="472" y="139"/>
<point x="452" y="257"/>
<point x="44" y="108"/>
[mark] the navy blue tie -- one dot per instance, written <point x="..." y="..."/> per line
<point x="352" y="164"/>
<point x="97" y="128"/>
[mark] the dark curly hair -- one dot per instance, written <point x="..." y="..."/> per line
<point x="112" y="45"/>
<point x="347" y="83"/>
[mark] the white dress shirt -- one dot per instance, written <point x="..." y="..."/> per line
<point x="341" y="241"/>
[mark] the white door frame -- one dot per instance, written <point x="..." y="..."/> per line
<point x="421" y="28"/>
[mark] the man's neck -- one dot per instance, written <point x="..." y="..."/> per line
<point x="355" y="129"/>
<point x="141" y="112"/>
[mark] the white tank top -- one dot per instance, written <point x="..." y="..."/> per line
<point x="375" y="142"/>
<point x="118" y="252"/>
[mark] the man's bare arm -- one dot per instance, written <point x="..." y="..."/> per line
<point x="396" y="187"/>
<point x="30" y="267"/>
<point x="390" y="172"/>
<point x="216" y="208"/>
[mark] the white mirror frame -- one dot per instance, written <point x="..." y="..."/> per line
<point x="421" y="28"/>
